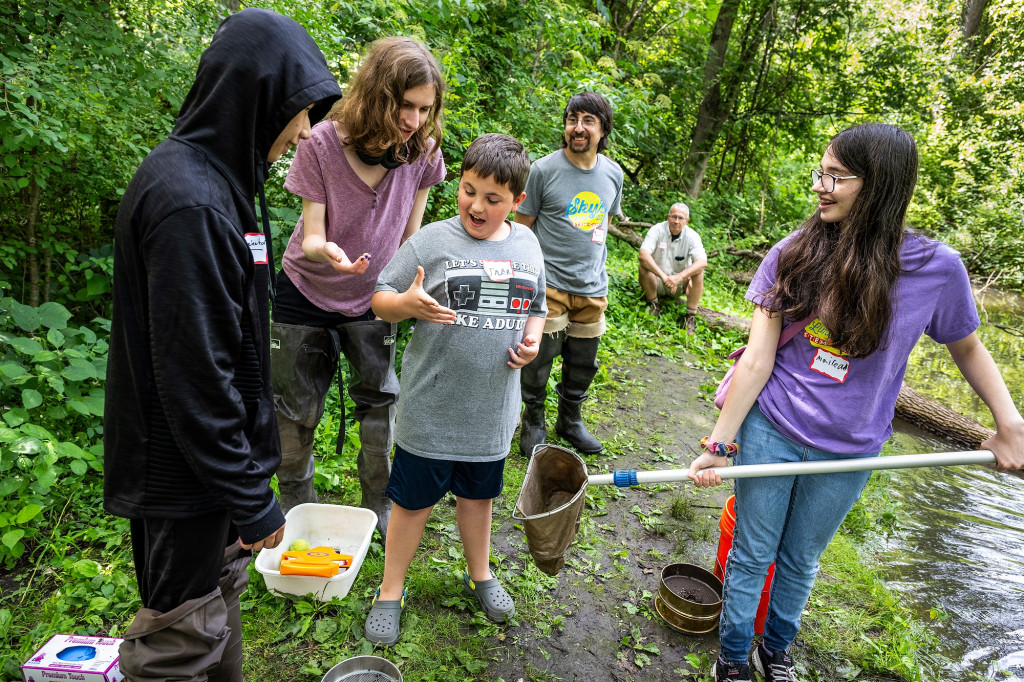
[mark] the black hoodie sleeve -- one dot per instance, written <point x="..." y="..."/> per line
<point x="206" y="368"/>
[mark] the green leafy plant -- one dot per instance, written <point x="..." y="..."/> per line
<point x="51" y="375"/>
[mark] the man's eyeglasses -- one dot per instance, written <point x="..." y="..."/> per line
<point x="828" y="181"/>
<point x="587" y="121"/>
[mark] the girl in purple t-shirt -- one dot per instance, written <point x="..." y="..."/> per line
<point x="870" y="288"/>
<point x="363" y="176"/>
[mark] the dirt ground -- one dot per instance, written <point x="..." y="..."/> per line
<point x="606" y="627"/>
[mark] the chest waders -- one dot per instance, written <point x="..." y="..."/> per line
<point x="579" y="367"/>
<point x="533" y="384"/>
<point x="303" y="363"/>
<point x="200" y="638"/>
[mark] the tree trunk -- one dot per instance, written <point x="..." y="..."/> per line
<point x="710" y="115"/>
<point x="32" y="241"/>
<point x="974" y="12"/>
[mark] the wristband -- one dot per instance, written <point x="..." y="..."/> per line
<point x="719" y="449"/>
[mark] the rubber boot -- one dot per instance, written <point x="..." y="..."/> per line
<point x="303" y="361"/>
<point x="533" y="383"/>
<point x="233" y="579"/>
<point x="579" y="367"/>
<point x="369" y="348"/>
<point x="185" y="643"/>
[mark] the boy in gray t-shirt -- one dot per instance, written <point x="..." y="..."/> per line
<point x="475" y="283"/>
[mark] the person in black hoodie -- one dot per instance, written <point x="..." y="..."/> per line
<point x="191" y="441"/>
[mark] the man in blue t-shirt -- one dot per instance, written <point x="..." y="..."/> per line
<point x="570" y="197"/>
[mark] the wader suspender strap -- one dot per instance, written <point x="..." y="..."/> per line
<point x="260" y="176"/>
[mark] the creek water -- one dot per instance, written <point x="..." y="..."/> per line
<point x="958" y="559"/>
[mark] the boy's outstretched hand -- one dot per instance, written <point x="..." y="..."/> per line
<point x="526" y="351"/>
<point x="420" y="305"/>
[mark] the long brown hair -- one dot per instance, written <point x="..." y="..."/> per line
<point x="846" y="271"/>
<point x="373" y="99"/>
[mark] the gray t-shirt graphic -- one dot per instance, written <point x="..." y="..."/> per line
<point x="573" y="207"/>
<point x="459" y="400"/>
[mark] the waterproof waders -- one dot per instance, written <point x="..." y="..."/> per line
<point x="579" y="367"/>
<point x="302" y="365"/>
<point x="200" y="638"/>
<point x="533" y="383"/>
<point x="369" y="347"/>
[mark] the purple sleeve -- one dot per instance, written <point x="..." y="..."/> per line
<point x="305" y="177"/>
<point x="956" y="316"/>
<point x="764" y="278"/>
<point x="434" y="170"/>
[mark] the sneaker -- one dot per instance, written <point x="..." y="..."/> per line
<point x="691" y="324"/>
<point x="777" y="667"/>
<point x="654" y="308"/>
<point x="728" y="672"/>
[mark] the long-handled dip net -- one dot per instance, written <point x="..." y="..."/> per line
<point x="553" y="493"/>
<point x="550" y="504"/>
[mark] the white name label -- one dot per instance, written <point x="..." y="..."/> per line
<point x="257" y="242"/>
<point x="498" y="270"/>
<point x="831" y="365"/>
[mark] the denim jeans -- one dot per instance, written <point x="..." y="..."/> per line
<point x="786" y="519"/>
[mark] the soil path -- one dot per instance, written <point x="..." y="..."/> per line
<point x="602" y="624"/>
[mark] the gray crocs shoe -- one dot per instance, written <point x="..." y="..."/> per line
<point x="383" y="623"/>
<point x="493" y="598"/>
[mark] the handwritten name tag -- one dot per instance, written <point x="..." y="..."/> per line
<point x="257" y="242"/>
<point x="833" y="366"/>
<point x="498" y="270"/>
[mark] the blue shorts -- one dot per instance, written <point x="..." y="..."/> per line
<point x="420" y="482"/>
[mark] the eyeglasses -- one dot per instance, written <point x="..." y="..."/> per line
<point x="587" y="121"/>
<point x="829" y="184"/>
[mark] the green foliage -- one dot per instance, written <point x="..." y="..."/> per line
<point x="52" y="391"/>
<point x="88" y="89"/>
<point x="67" y="565"/>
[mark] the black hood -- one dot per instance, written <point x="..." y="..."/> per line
<point x="237" y="107"/>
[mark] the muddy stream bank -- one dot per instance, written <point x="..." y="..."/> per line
<point x="604" y="596"/>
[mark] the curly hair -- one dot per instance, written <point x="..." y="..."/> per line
<point x="373" y="100"/>
<point x="845" y="272"/>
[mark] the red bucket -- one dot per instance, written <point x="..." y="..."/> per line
<point x="727" y="524"/>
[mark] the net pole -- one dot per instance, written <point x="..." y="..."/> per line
<point x="626" y="478"/>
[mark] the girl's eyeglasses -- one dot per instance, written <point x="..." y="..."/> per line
<point x="828" y="181"/>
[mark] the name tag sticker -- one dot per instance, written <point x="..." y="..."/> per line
<point x="831" y="365"/>
<point x="662" y="245"/>
<point x="498" y="270"/>
<point x="597" y="236"/>
<point x="257" y="242"/>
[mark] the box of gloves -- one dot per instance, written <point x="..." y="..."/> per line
<point x="75" y="657"/>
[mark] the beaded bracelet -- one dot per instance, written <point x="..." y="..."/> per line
<point x="719" y="449"/>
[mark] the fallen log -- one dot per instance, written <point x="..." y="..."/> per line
<point x="911" y="406"/>
<point x="713" y="318"/>
<point x="922" y="411"/>
<point x="741" y="277"/>
<point x="624" y="231"/>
